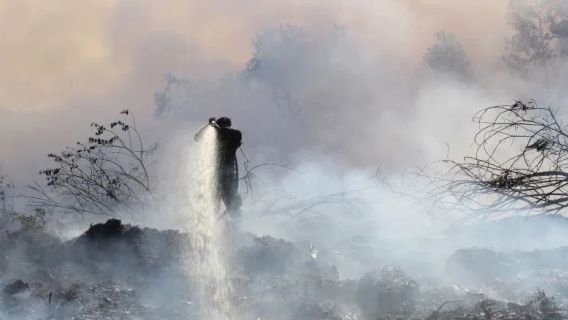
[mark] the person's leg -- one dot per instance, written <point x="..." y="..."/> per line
<point x="234" y="198"/>
<point x="225" y="193"/>
<point x="228" y="192"/>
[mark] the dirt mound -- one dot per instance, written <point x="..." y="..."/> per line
<point x="387" y="291"/>
<point x="126" y="248"/>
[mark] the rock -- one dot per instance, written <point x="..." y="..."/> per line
<point x="15" y="287"/>
<point x="116" y="246"/>
<point x="270" y="255"/>
<point x="477" y="265"/>
<point x="319" y="311"/>
<point x="388" y="291"/>
<point x="113" y="228"/>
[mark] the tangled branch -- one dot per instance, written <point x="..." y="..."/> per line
<point x="106" y="175"/>
<point x="520" y="163"/>
<point x="275" y="201"/>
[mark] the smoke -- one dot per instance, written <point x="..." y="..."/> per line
<point x="309" y="84"/>
<point x="81" y="62"/>
<point x="334" y="90"/>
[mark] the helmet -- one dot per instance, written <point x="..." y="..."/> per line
<point x="223" y="122"/>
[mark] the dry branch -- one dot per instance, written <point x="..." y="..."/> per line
<point x="520" y="163"/>
<point x="104" y="176"/>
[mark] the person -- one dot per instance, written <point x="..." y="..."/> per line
<point x="228" y="142"/>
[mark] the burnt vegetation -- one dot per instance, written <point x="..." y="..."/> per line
<point x="538" y="43"/>
<point x="106" y="175"/>
<point x="447" y="56"/>
<point x="520" y="162"/>
<point x="7" y="195"/>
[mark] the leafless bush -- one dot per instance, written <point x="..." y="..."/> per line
<point x="520" y="163"/>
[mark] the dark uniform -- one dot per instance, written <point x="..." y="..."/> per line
<point x="229" y="140"/>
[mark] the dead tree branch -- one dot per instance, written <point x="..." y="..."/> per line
<point x="520" y="163"/>
<point x="106" y="175"/>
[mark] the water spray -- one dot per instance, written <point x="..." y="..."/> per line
<point x="209" y="265"/>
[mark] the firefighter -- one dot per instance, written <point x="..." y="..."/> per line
<point x="228" y="142"/>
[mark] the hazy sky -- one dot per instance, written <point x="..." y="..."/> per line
<point x="66" y="63"/>
<point x="56" y="53"/>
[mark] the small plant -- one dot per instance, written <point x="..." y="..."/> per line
<point x="37" y="221"/>
<point x="104" y="176"/>
<point x="7" y="198"/>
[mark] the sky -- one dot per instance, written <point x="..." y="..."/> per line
<point x="56" y="53"/>
<point x="67" y="63"/>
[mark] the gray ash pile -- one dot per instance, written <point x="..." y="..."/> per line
<point x="121" y="271"/>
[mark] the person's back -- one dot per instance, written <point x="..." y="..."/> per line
<point x="229" y="141"/>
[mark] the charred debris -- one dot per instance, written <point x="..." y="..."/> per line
<point x="120" y="271"/>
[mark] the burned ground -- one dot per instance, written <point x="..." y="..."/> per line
<point x="118" y="271"/>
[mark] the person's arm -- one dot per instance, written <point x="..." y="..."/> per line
<point x="238" y="138"/>
<point x="200" y="132"/>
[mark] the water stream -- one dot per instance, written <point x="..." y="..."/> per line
<point x="208" y="265"/>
